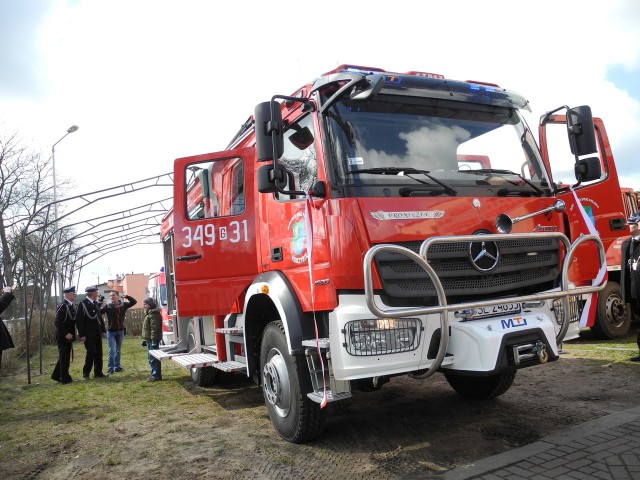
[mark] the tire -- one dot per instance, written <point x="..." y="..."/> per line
<point x="613" y="318"/>
<point x="203" y="376"/>
<point x="482" y="387"/>
<point x="285" y="384"/>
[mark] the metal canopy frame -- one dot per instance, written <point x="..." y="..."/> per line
<point x="101" y="235"/>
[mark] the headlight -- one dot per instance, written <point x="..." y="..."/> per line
<point x="382" y="336"/>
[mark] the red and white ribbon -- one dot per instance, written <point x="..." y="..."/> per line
<point x="587" y="310"/>
<point x="308" y="238"/>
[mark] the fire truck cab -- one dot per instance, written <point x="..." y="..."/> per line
<point x="375" y="224"/>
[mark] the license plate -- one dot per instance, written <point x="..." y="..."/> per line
<point x="498" y="310"/>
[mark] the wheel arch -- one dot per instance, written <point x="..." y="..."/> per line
<point x="275" y="302"/>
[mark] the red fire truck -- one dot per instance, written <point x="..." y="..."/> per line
<point x="613" y="318"/>
<point x="375" y="224"/>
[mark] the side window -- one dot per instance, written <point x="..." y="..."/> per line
<point x="215" y="189"/>
<point x="299" y="157"/>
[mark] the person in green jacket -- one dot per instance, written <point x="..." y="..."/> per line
<point x="151" y="336"/>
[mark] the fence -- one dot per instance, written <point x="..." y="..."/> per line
<point x="12" y="359"/>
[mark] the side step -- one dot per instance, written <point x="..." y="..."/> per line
<point x="231" y="330"/>
<point x="201" y="360"/>
<point x="196" y="360"/>
<point x="318" y="396"/>
<point x="231" y="366"/>
<point x="167" y="353"/>
<point x="323" y="378"/>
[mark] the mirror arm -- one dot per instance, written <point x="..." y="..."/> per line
<point x="545" y="118"/>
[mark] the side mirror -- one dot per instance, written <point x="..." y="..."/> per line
<point x="266" y="178"/>
<point x="302" y="138"/>
<point x="268" y="131"/>
<point x="582" y="137"/>
<point x="319" y="189"/>
<point x="588" y="169"/>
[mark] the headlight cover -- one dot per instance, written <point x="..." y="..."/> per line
<point x="574" y="309"/>
<point x="382" y="336"/>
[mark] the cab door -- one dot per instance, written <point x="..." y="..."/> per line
<point x="215" y="242"/>
<point x="600" y="199"/>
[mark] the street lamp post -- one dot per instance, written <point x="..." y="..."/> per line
<point x="71" y="129"/>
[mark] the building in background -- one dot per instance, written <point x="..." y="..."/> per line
<point x="134" y="284"/>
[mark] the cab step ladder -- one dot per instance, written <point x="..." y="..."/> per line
<point x="233" y="335"/>
<point x="335" y="389"/>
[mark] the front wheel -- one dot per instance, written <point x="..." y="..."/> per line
<point x="613" y="317"/>
<point x="482" y="387"/>
<point x="285" y="384"/>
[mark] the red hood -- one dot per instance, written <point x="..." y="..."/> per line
<point x="406" y="219"/>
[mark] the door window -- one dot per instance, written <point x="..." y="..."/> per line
<point x="299" y="157"/>
<point x="215" y="189"/>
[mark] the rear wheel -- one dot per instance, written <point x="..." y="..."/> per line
<point x="613" y="317"/>
<point x="285" y="384"/>
<point x="203" y="376"/>
<point x="482" y="387"/>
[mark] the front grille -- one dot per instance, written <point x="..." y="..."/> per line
<point x="524" y="266"/>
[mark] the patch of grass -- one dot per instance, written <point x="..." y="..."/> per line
<point x="587" y="347"/>
<point x="48" y="413"/>
<point x="285" y="459"/>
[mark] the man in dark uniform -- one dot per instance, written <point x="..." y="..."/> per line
<point x="630" y="278"/>
<point x="65" y="324"/>
<point x="6" y="342"/>
<point x="90" y="329"/>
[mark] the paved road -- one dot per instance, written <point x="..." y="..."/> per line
<point x="606" y="448"/>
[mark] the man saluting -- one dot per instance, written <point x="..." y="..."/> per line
<point x="90" y="329"/>
<point x="65" y="324"/>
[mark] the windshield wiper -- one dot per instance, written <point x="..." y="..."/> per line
<point x="406" y="172"/>
<point x="499" y="171"/>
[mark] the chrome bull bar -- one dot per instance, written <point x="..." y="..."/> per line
<point x="443" y="308"/>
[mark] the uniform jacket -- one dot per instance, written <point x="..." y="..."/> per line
<point x="115" y="313"/>
<point x="89" y="320"/>
<point x="152" y="326"/>
<point x="5" y="338"/>
<point x="65" y="321"/>
<point x="5" y="299"/>
<point x="630" y="287"/>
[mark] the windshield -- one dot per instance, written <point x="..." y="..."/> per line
<point x="443" y="147"/>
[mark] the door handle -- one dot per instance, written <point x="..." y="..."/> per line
<point x="188" y="257"/>
<point x="617" y="224"/>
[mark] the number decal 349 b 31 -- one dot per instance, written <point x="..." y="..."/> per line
<point x="203" y="235"/>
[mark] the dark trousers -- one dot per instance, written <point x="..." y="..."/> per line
<point x="61" y="371"/>
<point x="94" y="357"/>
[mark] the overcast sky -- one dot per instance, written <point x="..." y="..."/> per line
<point x="148" y="81"/>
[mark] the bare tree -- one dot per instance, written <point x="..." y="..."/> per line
<point x="25" y="186"/>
